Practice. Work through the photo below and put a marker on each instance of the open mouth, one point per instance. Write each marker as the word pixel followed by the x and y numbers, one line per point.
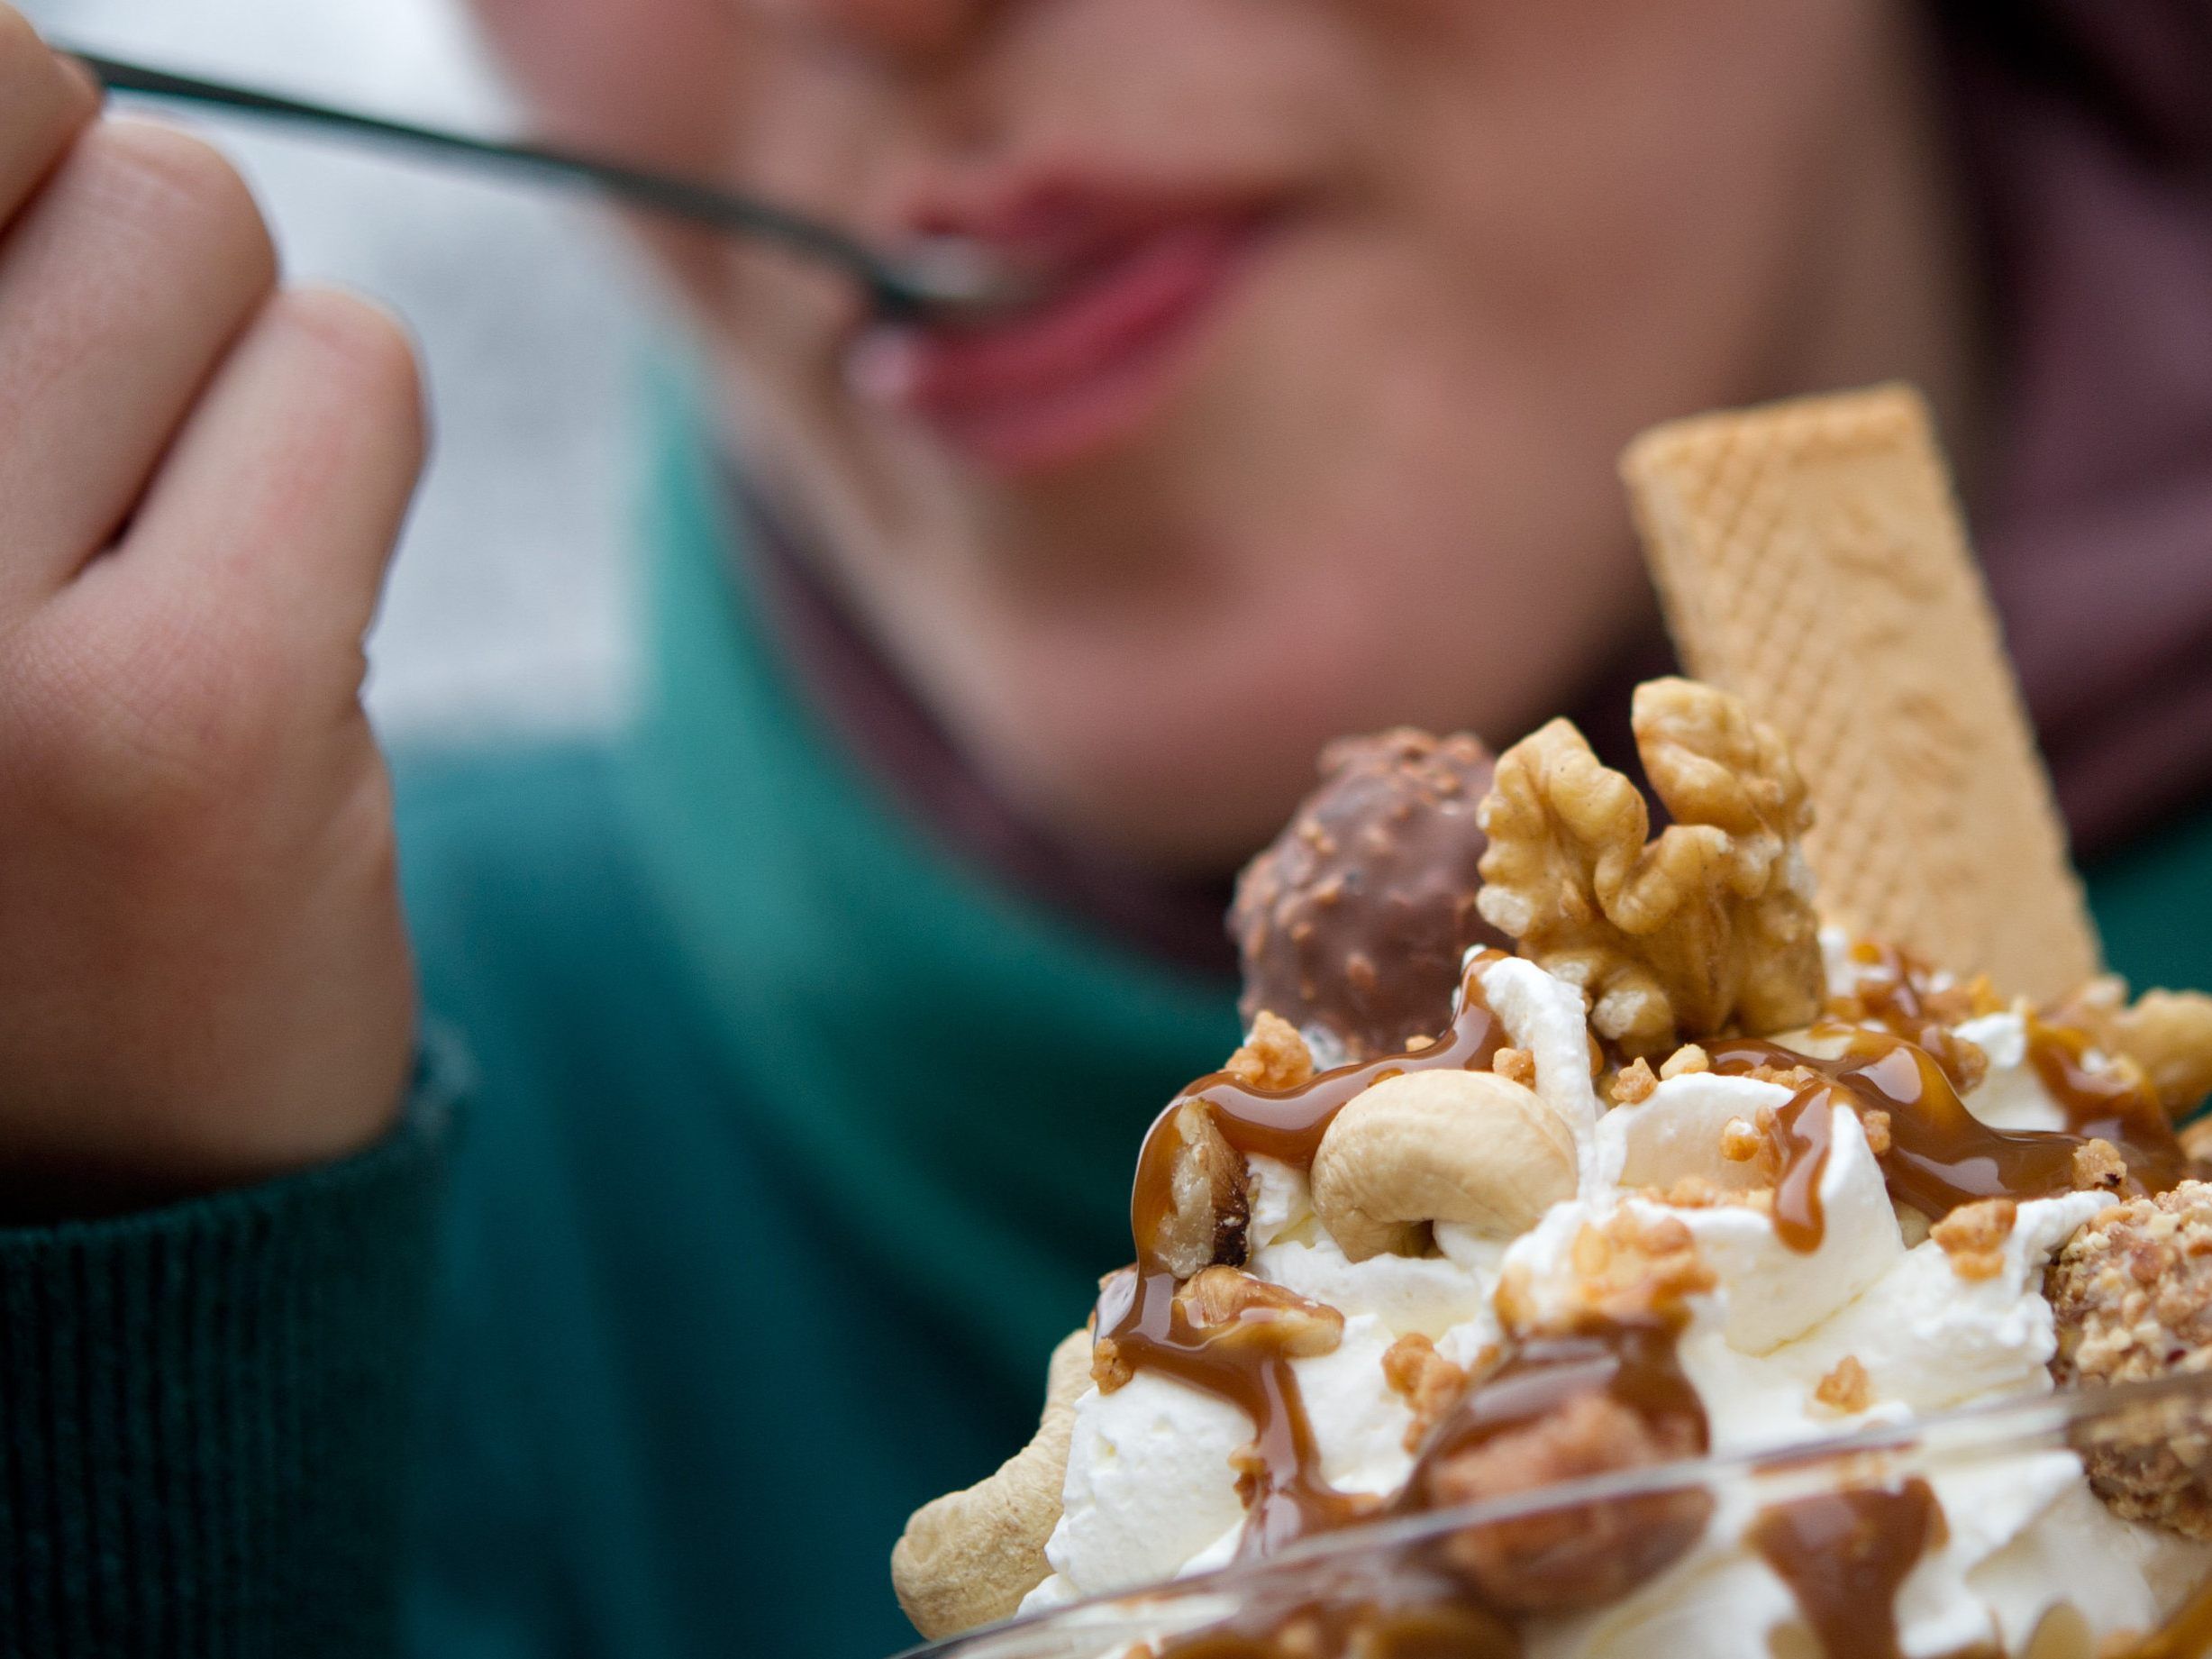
pixel 1122 299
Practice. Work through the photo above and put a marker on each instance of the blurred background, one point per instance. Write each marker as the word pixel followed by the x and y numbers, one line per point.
pixel 506 610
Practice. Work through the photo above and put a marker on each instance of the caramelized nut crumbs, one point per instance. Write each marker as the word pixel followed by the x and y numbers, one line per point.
pixel 1275 1057
pixel 1740 1142
pixel 1847 1388
pixel 1429 1383
pixel 1110 1369
pixel 2099 1167
pixel 1685 1058
pixel 1630 1267
pixel 1973 1237
pixel 1969 1064
pixel 1792 1078
pixel 1515 1065
pixel 1877 1127
pixel 1632 1084
pixel 1692 1193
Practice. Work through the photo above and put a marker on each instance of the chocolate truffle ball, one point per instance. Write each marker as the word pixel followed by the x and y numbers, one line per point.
pixel 1355 922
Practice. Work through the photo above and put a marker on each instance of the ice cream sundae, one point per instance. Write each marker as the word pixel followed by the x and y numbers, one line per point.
pixel 1557 1147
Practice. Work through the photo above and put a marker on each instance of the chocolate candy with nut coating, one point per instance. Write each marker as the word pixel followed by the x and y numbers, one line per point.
pixel 1355 921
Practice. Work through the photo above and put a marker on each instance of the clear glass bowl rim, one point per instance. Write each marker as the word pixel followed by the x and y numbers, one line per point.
pixel 2016 1423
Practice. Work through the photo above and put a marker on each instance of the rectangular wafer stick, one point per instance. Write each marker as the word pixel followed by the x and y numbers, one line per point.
pixel 1813 560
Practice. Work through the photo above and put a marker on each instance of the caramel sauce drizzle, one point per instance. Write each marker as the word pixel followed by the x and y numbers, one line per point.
pixel 1845 1556
pixel 1285 1495
pixel 1287 1124
pixel 2187 1635
pixel 1940 1154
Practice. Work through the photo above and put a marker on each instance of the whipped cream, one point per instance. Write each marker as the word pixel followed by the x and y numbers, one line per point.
pixel 1151 1493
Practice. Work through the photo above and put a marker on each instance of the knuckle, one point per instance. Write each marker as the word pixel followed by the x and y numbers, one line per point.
pixel 35 85
pixel 369 352
pixel 20 46
pixel 18 42
pixel 178 186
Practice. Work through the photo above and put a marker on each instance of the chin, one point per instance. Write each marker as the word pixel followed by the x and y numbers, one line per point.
pixel 1170 805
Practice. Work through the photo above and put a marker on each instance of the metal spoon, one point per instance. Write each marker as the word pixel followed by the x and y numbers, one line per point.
pixel 944 278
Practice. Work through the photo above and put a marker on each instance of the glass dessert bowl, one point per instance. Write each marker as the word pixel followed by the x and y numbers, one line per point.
pixel 1884 1542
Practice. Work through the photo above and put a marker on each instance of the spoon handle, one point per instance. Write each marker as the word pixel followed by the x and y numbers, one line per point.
pixel 892 289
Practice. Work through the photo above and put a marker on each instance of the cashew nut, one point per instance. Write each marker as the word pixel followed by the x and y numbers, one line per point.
pixel 1439 1145
pixel 968 1558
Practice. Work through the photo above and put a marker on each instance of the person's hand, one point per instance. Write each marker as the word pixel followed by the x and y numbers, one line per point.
pixel 204 975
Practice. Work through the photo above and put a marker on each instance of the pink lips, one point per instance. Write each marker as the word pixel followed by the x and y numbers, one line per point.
pixel 1066 378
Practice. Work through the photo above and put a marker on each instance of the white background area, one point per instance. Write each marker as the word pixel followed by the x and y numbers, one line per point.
pixel 509 606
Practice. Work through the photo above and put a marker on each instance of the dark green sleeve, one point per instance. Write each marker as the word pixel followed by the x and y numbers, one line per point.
pixel 205 1411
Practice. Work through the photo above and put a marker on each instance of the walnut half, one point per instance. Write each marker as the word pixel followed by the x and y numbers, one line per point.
pixel 1707 928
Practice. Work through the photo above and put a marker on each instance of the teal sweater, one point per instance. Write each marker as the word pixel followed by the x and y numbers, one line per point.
pixel 789 1146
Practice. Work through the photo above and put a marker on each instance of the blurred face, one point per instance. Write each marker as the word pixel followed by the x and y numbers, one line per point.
pixel 1348 307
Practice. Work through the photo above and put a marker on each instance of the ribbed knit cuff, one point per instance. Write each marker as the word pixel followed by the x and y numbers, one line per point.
pixel 205 1411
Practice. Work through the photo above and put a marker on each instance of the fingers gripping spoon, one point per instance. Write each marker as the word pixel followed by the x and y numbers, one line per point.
pixel 944 278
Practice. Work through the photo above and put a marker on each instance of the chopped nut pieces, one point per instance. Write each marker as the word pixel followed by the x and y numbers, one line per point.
pixel 1229 1308
pixel 1630 1267
pixel 1517 1064
pixel 1973 1237
pixel 1740 1142
pixel 2099 1167
pixel 1274 1057
pixel 1109 1367
pixel 1877 1142
pixel 1429 1383
pixel 1687 1059
pixel 2132 1295
pixel 1708 927
pixel 1354 921
pixel 1633 1083
pixel 1792 1078
pixel 1208 1206
pixel 1696 1192
pixel 1967 1063
pixel 1847 1388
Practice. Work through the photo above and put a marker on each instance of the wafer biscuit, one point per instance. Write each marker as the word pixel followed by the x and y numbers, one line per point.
pixel 1812 559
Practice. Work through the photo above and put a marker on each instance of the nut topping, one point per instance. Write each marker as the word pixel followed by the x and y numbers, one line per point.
pixel 2132 1295
pixel 1708 927
pixel 1443 1145
pixel 1355 922
pixel 1229 1308
pixel 1209 1207
pixel 1973 1237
